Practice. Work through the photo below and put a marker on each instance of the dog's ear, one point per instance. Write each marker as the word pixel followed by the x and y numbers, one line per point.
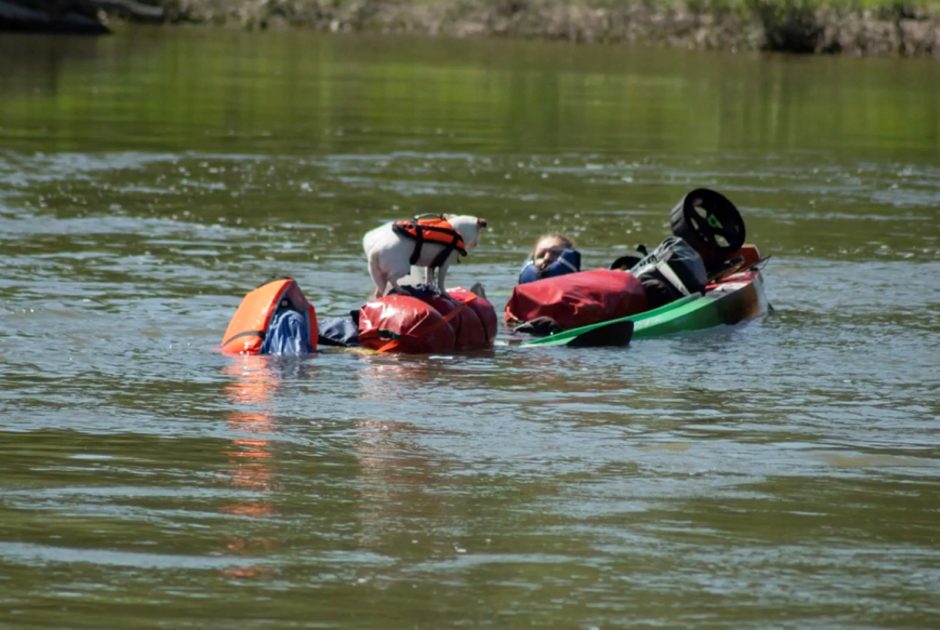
pixel 481 223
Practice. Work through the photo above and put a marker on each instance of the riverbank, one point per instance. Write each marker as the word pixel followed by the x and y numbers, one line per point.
pixel 869 27
pixel 851 27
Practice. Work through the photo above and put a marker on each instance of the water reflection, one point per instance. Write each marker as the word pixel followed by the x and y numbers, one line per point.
pixel 395 377
pixel 251 457
pixel 41 60
pixel 396 473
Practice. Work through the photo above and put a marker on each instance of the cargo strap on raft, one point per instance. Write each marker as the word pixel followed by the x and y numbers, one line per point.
pixel 248 333
pixel 432 228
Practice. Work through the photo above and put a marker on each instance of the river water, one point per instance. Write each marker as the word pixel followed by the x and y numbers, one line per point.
pixel 782 473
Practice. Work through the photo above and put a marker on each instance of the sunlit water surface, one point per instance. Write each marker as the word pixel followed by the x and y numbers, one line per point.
pixel 781 473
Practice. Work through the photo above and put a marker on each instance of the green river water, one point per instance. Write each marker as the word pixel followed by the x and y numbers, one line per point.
pixel 782 473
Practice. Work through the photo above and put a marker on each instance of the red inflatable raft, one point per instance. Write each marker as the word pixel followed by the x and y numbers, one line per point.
pixel 459 321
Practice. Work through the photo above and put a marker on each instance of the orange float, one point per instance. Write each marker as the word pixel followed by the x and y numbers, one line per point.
pixel 249 325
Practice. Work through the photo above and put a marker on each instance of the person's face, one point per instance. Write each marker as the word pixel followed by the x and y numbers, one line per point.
pixel 547 251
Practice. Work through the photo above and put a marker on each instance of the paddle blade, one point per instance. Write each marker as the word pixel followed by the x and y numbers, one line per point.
pixel 615 332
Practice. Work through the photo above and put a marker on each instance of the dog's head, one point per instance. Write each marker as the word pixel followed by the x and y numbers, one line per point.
pixel 468 227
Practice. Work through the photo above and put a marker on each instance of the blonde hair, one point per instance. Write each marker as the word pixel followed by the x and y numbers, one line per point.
pixel 566 241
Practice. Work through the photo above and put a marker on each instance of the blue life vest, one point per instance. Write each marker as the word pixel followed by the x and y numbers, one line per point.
pixel 568 261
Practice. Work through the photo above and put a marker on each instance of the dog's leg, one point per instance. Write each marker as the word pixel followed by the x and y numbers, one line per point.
pixel 378 277
pixel 429 276
pixel 441 272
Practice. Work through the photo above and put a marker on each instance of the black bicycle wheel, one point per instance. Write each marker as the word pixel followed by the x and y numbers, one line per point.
pixel 710 223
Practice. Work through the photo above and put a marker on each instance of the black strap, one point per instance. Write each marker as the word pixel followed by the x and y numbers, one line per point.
pixel 442 256
pixel 417 237
pixel 419 241
pixel 247 333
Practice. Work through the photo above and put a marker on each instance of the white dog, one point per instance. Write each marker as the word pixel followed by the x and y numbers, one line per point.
pixel 433 243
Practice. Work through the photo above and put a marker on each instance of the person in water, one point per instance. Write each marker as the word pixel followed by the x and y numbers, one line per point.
pixel 553 255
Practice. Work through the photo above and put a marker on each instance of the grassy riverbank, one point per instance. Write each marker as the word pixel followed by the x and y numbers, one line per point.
pixel 855 27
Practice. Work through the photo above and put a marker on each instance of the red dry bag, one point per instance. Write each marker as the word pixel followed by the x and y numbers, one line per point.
pixel 401 323
pixel 484 310
pixel 577 299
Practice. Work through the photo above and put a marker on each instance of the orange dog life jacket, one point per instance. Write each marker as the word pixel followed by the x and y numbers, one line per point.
pixel 431 229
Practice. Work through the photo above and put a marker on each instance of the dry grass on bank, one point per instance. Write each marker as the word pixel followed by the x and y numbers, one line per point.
pixel 881 27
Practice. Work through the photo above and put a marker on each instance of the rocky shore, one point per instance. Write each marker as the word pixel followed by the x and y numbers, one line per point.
pixel 797 26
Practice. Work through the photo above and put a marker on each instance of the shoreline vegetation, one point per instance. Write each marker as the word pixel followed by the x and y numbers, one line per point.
pixel 850 27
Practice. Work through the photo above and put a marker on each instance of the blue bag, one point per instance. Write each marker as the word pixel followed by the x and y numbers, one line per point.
pixel 340 331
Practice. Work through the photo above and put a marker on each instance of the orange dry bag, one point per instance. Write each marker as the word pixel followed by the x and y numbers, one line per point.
pixel 249 325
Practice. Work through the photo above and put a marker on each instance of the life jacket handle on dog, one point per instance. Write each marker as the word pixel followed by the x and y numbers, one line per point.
pixel 431 228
